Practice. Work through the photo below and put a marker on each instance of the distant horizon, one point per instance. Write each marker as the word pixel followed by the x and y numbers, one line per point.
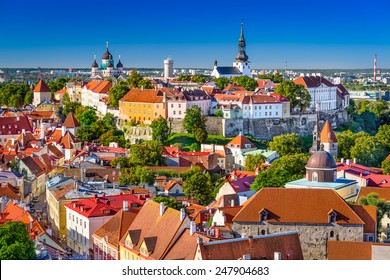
pixel 308 35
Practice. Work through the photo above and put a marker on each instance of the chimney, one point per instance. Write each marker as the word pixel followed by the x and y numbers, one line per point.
pixel 23 132
pixel 354 160
pixel 217 233
pixel 192 228
pixel 12 141
pixel 277 256
pixel 125 205
pixel 162 208
pixel 232 203
pixel 182 214
pixel 18 118
pixel 234 175
pixel 342 160
pixel 348 162
pixel 63 129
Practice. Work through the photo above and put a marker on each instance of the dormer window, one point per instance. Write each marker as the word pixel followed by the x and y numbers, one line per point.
pixel 332 217
pixel 263 215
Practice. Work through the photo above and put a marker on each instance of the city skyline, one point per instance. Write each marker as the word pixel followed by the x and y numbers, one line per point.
pixel 307 36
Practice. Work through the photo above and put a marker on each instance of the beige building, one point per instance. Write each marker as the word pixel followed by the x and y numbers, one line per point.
pixel 318 215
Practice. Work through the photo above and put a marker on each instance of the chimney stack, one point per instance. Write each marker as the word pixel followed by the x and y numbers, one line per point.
pixel 182 214
pixel 342 160
pixel 63 129
pixel 354 160
pixel 192 228
pixel 162 208
pixel 277 256
pixel 348 162
pixel 125 205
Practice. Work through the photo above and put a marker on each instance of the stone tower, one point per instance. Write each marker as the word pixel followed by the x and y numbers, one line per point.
pixel 168 68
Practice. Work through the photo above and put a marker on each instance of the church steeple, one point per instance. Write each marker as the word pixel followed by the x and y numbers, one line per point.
pixel 316 141
pixel 241 56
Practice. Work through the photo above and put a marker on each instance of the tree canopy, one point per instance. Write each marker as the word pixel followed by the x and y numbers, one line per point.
pixel 286 144
pixel 15 95
pixel 135 80
pixel 147 153
pixel 386 166
pixel 247 82
pixel 297 94
pixel 168 201
pixel 199 187
pixel 160 129
pixel 195 120
pixel 383 207
pixel 222 82
pixel 136 175
pixel 368 151
pixel 15 242
pixel 276 78
pixel 285 169
pixel 117 92
pixel 254 161
pixel 346 140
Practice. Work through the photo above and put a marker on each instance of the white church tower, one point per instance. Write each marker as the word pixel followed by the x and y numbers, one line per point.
pixel 242 62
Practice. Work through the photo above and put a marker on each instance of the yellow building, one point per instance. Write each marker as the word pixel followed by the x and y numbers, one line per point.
pixel 56 200
pixel 143 105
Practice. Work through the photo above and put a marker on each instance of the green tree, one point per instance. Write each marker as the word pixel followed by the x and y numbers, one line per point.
pixel 254 161
pixel 276 78
pixel 28 98
pixel 297 94
pixel 86 115
pixel 199 187
pixel 122 162
pixel 16 100
pixel 146 84
pixel 70 107
pixel 245 81
pixel 170 202
pixel 57 84
pixel 147 153
pixel 382 205
pixel 116 93
pixel 346 140
pixel 200 134
pixel 160 129
pixel 109 121
pixel 136 175
pixel 113 135
pixel 218 113
pixel 222 82
pixel 199 78
pixel 65 98
pixel 184 77
pixel 15 242
pixel 383 135
pixel 285 169
pixel 286 144
pixel 386 166
pixel 193 119
pixel 368 151
pixel 133 80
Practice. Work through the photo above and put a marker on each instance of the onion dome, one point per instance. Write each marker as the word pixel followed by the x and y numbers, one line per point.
pixel 94 64
pixel 109 64
pixel 107 54
pixel 119 64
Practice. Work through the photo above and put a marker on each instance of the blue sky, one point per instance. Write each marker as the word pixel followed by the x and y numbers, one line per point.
pixel 308 34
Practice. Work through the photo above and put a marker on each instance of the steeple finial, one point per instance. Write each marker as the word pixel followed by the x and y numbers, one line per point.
pixel 242 29
pixel 107 45
pixel 119 57
pixel 94 57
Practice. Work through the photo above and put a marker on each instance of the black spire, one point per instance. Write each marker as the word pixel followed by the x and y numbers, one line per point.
pixel 94 64
pixel 241 56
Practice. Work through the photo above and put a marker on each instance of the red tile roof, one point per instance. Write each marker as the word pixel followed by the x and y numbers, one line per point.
pixel 241 141
pixel 349 250
pixel 241 180
pixel 158 232
pixel 116 227
pixel 232 87
pixel 312 81
pixel 99 86
pixel 368 216
pixel 171 184
pixel 327 135
pixel 9 191
pixel 308 206
pixel 14 125
pixel 34 165
pixel 143 96
pixel 71 122
pixel 42 87
pixel 257 247
pixel 383 193
pixel 104 205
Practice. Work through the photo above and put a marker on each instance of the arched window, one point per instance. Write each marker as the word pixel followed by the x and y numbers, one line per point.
pixel 314 177
pixel 263 232
pixel 331 234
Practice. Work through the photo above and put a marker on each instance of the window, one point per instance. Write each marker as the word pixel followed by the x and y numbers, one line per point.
pixel 174 112
pixel 77 220
pixel 70 216
pixel 276 113
pixel 171 105
pixel 331 234
pixel 270 106
pixel 314 177
pixel 179 112
pixel 85 224
pixel 263 232
pixel 266 113
pixel 266 107
pixel 388 225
